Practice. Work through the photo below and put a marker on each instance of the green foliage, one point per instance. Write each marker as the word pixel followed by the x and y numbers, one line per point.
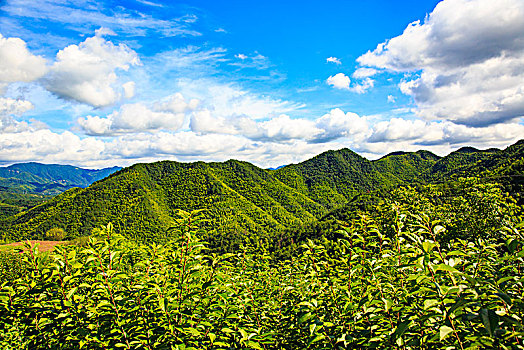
pixel 249 205
pixel 405 283
pixel 55 234
pixel 48 178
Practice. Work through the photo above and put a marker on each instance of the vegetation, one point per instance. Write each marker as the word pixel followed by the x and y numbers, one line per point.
pixel 414 269
pixel 48 178
pixel 247 203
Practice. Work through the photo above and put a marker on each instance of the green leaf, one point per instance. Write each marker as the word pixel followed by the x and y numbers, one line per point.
pixel 401 329
pixel 71 292
pixel 254 345
pixel 162 304
pixel 387 304
pixel 317 338
pixel 490 320
pixel 71 255
pixel 428 303
pixel 212 337
pixel 512 244
pixel 444 267
pixel 504 297
pixel 444 331
pixel 428 246
pixel 305 317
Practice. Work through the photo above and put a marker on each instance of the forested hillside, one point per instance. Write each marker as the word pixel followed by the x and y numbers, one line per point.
pixel 23 186
pixel 48 178
pixel 243 201
pixel 416 269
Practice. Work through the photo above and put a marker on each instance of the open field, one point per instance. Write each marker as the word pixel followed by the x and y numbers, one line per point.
pixel 43 246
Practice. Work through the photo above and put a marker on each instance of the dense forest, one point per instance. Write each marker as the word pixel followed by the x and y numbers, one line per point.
pixel 242 200
pixel 410 251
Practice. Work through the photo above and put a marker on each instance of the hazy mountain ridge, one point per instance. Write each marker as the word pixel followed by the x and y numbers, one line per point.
pixel 24 185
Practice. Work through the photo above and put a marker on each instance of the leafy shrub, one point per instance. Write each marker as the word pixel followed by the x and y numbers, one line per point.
pixel 406 285
pixel 55 234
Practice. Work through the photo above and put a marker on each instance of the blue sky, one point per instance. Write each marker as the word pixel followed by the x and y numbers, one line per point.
pixel 96 83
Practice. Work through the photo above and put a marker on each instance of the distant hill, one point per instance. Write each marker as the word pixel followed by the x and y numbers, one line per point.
pixel 48 178
pixel 25 185
pixel 243 200
pixel 407 167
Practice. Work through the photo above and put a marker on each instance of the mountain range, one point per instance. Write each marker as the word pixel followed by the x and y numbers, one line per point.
pixel 25 185
pixel 243 200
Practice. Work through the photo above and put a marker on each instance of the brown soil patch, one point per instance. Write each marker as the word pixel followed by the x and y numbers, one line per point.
pixel 43 246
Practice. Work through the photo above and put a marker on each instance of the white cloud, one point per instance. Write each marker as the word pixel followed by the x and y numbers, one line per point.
pixel 84 16
pixel 167 114
pixel 336 124
pixel 256 61
pixel 470 55
pixel 229 100
pixel 87 72
pixel 364 73
pixel 339 81
pixel 47 146
pixel 363 86
pixel 342 81
pixel 333 60
pixel 391 99
pixel 190 58
pixel 129 89
pixel 176 103
pixel 10 106
pixel 17 63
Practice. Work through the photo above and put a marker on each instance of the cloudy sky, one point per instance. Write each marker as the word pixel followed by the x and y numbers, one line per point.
pixel 102 83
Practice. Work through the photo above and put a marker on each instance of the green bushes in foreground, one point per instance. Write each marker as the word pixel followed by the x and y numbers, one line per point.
pixel 408 289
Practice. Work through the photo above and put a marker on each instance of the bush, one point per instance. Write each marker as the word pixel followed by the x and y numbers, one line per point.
pixel 55 234
pixel 411 289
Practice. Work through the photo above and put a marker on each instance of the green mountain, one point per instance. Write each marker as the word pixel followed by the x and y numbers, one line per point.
pixel 407 167
pixel 333 177
pixel 243 201
pixel 142 200
pixel 48 178
pixel 456 163
pixel 23 186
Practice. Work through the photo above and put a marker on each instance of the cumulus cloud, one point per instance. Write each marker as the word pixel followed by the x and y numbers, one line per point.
pixel 363 86
pixel 10 106
pixel 48 146
pixel 336 124
pixel 17 63
pixel 331 126
pixel 333 60
pixel 280 128
pixel 168 114
pixel 469 56
pixel 339 81
pixel 398 131
pixel 87 72
pixel 342 81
